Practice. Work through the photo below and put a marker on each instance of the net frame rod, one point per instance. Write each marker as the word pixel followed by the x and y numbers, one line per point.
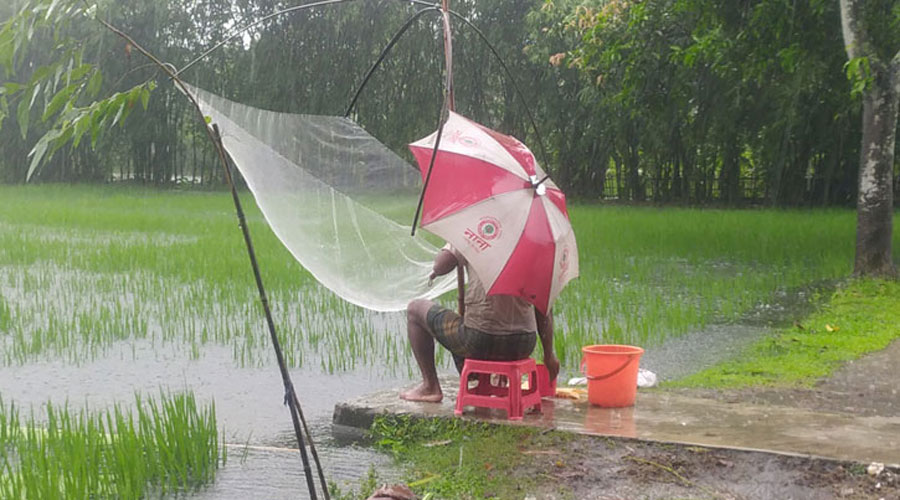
pixel 384 53
pixel 242 29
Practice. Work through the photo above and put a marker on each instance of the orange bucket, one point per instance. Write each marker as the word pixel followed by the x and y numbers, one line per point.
pixel 611 372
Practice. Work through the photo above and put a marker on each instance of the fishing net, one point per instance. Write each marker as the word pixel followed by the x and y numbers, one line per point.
pixel 339 200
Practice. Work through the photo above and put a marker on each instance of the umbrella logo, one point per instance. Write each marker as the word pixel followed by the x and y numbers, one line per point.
pixel 457 137
pixel 469 141
pixel 489 228
pixel 564 261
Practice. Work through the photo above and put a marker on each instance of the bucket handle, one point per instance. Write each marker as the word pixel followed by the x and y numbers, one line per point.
pixel 608 375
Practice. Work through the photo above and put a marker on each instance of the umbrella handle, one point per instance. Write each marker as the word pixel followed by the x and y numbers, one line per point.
pixel 461 290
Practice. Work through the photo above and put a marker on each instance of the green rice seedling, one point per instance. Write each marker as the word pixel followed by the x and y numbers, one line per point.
pixel 5 316
pixel 83 269
pixel 166 446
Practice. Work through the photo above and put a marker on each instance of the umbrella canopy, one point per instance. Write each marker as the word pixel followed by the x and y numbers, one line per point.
pixel 485 197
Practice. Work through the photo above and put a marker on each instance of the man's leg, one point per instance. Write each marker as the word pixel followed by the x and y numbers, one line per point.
pixel 422 343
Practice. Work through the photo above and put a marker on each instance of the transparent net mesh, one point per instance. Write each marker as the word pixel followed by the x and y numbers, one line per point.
pixel 339 200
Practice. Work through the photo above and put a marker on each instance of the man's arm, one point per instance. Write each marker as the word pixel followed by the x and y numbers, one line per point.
pixel 444 262
pixel 545 331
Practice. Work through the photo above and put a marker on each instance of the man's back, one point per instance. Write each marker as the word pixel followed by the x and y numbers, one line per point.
pixel 497 314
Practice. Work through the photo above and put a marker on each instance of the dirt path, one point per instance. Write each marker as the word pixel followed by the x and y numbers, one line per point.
pixel 598 468
pixel 614 469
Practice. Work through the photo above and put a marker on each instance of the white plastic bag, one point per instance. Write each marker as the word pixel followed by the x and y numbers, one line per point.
pixel 646 378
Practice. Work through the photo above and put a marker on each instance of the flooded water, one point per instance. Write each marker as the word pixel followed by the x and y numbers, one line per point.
pixel 262 458
pixel 238 372
pixel 700 349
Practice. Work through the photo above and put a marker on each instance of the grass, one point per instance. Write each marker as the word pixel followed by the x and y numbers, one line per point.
pixel 84 269
pixel 164 446
pixel 461 459
pixel 862 317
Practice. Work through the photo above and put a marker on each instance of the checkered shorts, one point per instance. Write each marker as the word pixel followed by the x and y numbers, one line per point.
pixel 447 327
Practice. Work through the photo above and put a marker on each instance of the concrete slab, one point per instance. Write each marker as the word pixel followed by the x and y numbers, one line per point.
pixel 671 418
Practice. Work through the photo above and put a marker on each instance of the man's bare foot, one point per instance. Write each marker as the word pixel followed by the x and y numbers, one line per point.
pixel 423 393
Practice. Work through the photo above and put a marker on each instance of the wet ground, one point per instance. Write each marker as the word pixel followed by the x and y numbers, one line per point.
pixel 591 468
pixel 760 444
pixel 675 418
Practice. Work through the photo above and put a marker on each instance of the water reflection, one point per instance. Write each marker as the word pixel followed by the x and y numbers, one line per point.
pixel 610 421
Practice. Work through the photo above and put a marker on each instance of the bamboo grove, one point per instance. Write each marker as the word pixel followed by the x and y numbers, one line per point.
pixel 671 101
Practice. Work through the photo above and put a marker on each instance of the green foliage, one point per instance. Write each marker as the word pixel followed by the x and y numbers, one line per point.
pixel 366 487
pixel 395 434
pixel 64 88
pixel 689 101
pixel 93 119
pixel 703 99
pixel 860 75
pixel 862 317
pixel 454 458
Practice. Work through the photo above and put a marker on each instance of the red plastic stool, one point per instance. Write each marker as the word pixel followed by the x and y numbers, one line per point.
pixel 511 397
pixel 546 386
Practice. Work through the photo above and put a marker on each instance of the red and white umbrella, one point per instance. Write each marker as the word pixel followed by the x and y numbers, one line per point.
pixel 485 197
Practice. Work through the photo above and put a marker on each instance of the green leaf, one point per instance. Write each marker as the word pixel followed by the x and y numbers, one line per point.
pixel 58 101
pixel 64 137
pixel 23 115
pixel 145 98
pixel 40 149
pixel 34 94
pixel 82 124
pixel 40 74
pixel 6 51
pixel 95 127
pixel 69 70
pixel 79 72
pixel 12 87
pixel 50 10
pixel 94 83
pixel 120 104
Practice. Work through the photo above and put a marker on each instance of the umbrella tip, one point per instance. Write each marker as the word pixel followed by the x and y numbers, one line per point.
pixel 538 186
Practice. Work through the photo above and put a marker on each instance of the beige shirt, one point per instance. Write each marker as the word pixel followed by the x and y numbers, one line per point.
pixel 496 314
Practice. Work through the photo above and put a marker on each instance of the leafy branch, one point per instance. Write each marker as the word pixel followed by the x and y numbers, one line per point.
pixel 63 91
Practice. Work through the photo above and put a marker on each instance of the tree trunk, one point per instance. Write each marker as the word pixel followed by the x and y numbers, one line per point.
pixel 875 201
